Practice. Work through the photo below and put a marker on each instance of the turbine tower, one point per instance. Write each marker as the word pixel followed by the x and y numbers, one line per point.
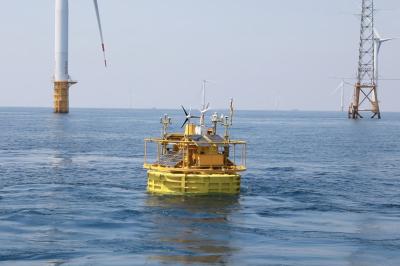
pixel 365 96
pixel 341 87
pixel 62 80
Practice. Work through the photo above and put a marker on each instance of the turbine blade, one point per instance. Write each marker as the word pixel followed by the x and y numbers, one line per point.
pixel 184 110
pixel 388 39
pixel 348 83
pixel 96 7
pixel 376 33
pixel 338 88
pixel 184 123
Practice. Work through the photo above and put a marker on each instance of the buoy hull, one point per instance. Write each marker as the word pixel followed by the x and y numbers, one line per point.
pixel 192 184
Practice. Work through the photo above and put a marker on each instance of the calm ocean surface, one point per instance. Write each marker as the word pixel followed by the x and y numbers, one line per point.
pixel 320 190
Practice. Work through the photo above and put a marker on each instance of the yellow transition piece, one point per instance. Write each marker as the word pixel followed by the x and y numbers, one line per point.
pixel 61 97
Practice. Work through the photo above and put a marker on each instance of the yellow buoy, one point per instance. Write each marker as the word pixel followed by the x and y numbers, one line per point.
pixel 195 162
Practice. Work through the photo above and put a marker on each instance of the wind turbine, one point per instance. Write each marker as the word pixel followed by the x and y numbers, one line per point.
pixel 62 80
pixel 341 88
pixel 188 116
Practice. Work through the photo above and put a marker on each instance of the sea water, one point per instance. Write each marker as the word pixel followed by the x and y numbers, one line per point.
pixel 320 190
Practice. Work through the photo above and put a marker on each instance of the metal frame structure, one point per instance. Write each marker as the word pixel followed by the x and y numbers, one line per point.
pixel 365 88
pixel 238 155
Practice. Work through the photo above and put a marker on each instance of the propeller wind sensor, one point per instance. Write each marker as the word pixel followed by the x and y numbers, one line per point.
pixel 188 116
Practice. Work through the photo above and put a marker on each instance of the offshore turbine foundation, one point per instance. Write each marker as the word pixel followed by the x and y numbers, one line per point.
pixel 61 96
pixel 365 98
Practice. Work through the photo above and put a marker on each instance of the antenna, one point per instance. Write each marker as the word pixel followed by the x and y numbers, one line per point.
pixel 231 111
pixel 204 94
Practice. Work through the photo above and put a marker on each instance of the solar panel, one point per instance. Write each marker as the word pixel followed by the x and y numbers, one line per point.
pixel 200 141
pixel 214 138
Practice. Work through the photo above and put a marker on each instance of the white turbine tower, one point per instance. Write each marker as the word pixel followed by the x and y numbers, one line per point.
pixel 62 80
pixel 378 40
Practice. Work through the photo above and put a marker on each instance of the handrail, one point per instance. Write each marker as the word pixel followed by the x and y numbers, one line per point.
pixel 168 162
pixel 157 140
pixel 236 168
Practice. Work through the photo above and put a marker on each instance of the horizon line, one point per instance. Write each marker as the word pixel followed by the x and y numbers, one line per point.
pixel 176 109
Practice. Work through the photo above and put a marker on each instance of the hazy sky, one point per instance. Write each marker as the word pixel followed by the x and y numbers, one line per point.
pixel 263 53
